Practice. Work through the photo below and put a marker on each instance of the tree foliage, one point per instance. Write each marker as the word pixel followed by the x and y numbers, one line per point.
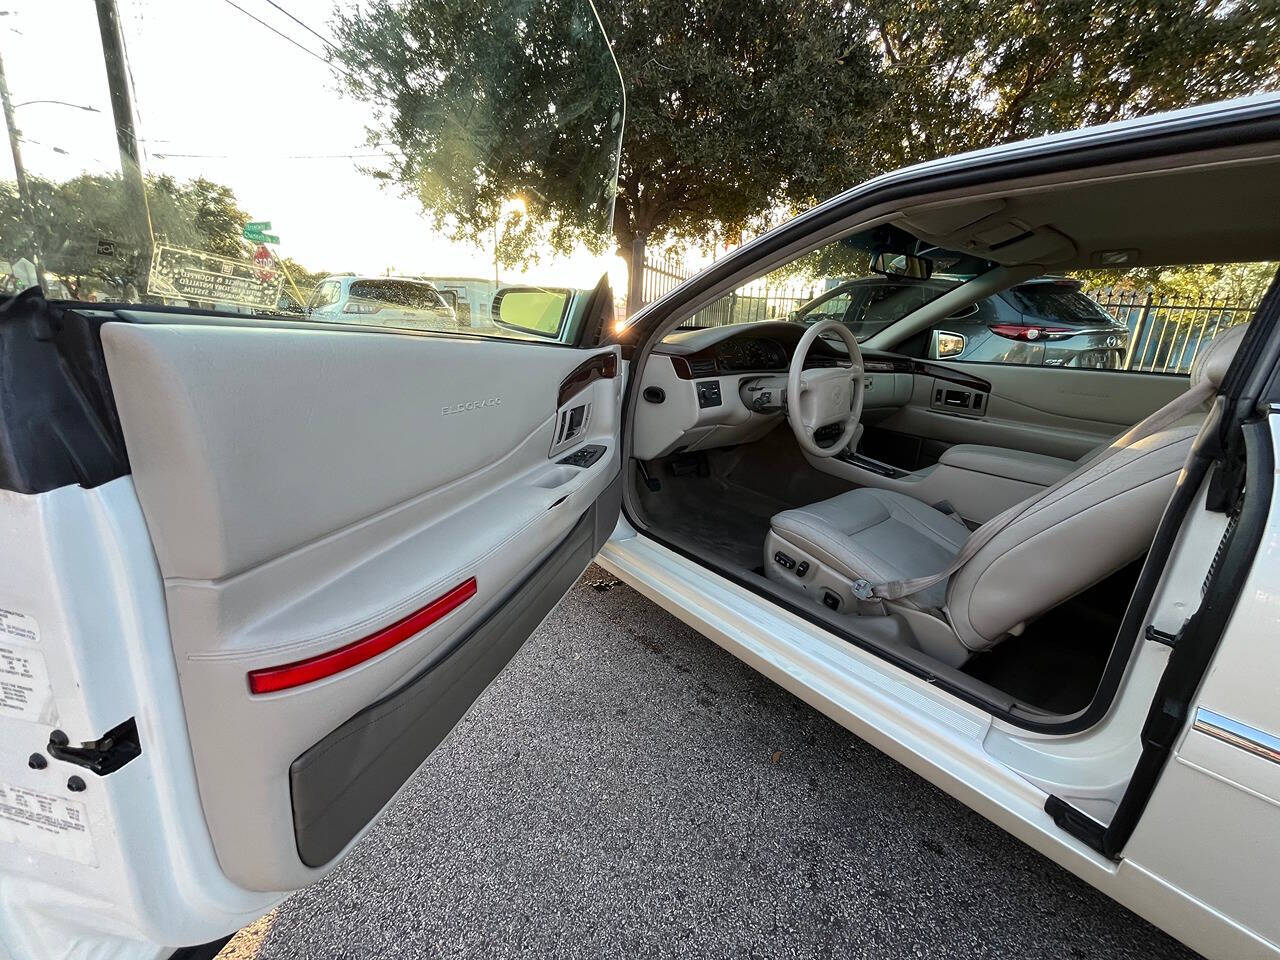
pixel 90 235
pixel 1237 283
pixel 485 100
pixel 731 108
pixel 737 108
pixel 972 73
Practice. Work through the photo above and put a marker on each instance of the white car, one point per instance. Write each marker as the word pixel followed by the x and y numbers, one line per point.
pixel 473 298
pixel 382 301
pixel 254 572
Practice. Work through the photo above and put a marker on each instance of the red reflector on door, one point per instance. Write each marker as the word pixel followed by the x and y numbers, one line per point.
pixel 271 679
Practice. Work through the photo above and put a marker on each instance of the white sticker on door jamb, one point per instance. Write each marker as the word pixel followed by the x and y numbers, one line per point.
pixel 47 824
pixel 25 693
pixel 18 627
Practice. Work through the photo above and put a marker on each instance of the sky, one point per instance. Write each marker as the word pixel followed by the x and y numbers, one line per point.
pixel 221 96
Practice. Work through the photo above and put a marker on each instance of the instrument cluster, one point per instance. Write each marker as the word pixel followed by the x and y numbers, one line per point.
pixel 740 354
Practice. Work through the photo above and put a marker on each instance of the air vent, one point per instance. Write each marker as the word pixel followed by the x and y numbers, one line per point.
pixel 705 367
pixel 817 361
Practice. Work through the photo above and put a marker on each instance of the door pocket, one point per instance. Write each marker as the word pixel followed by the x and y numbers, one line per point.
pixel 339 784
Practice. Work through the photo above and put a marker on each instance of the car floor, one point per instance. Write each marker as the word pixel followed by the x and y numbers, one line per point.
pixel 720 502
pixel 1058 660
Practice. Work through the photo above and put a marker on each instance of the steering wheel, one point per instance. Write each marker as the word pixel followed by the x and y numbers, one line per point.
pixel 824 395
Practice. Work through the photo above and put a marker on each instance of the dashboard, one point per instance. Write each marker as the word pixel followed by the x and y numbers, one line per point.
pixel 744 348
pixel 719 386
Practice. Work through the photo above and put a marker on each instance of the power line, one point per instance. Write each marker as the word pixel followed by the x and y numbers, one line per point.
pixel 284 36
pixel 305 26
pixel 279 33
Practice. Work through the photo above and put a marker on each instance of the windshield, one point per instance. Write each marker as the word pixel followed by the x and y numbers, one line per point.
pixel 869 305
pixel 246 156
pixel 858 280
pixel 855 279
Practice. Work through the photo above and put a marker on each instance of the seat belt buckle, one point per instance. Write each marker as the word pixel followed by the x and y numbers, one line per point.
pixel 863 590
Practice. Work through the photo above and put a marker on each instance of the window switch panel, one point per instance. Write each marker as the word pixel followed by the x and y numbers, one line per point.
pixel 584 457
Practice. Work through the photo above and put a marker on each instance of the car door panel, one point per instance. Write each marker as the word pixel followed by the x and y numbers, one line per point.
pixel 339 784
pixel 306 490
pixel 1053 411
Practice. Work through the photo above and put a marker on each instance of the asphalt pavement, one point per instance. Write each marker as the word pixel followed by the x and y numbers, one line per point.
pixel 628 789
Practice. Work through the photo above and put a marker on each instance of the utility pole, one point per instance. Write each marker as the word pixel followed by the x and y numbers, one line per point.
pixel 20 176
pixel 122 110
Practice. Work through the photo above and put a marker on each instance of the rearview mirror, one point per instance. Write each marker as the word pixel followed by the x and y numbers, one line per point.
pixel 902 265
pixel 536 310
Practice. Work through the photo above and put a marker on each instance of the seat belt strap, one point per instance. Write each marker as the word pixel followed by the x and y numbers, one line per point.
pixel 1189 402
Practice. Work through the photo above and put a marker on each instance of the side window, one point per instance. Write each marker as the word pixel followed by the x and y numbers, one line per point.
pixel 248 230
pixel 1102 320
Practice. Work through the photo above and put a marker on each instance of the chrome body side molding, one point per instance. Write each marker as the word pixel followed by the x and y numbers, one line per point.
pixel 1251 739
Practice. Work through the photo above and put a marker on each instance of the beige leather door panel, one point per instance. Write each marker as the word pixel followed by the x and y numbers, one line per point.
pixel 1055 411
pixel 306 490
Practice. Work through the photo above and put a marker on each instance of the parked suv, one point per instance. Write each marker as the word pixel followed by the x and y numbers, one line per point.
pixel 382 301
pixel 1046 322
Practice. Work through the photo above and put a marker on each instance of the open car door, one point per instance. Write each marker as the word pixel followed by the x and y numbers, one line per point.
pixel 258 558
pixel 328 543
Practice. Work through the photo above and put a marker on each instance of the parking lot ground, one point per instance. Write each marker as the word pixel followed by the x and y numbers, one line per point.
pixel 627 788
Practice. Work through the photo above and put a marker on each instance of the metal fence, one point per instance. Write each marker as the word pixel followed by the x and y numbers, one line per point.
pixel 757 300
pixel 1166 334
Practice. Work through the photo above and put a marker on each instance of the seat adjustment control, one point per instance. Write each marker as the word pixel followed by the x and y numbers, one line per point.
pixel 830 600
pixel 782 560
pixel 802 568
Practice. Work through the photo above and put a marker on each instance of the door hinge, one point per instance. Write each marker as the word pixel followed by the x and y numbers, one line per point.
pixel 105 755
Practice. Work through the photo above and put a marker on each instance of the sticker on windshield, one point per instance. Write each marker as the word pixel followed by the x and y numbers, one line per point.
pixel 45 824
pixel 25 693
pixel 18 627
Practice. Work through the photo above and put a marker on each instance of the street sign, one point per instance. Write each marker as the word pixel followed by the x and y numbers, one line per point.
pixel 257 236
pixel 258 225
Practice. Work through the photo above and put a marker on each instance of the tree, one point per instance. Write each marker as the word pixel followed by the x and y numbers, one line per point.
pixel 88 234
pixel 972 73
pixel 732 109
pixel 737 108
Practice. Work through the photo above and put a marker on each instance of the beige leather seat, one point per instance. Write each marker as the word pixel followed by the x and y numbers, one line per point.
pixel 1086 526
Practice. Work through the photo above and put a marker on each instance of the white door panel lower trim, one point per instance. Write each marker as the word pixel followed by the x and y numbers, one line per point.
pixel 932 734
